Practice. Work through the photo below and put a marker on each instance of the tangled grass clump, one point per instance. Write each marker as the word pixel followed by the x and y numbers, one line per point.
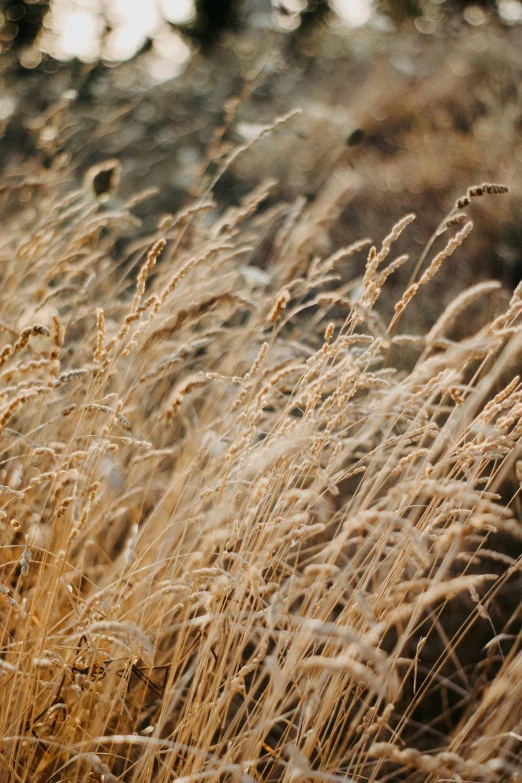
pixel 236 543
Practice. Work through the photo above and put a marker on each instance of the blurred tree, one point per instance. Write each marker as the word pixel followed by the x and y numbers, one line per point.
pixel 310 19
pixel 22 22
pixel 212 18
pixel 399 9
pixel 402 9
pixel 459 4
pixel 314 13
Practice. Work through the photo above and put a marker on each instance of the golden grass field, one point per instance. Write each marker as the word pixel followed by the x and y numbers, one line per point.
pixel 241 538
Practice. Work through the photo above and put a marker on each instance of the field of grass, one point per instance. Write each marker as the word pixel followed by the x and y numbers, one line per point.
pixel 237 544
pixel 260 457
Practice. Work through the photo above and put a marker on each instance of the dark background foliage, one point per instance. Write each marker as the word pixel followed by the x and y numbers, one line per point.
pixel 402 113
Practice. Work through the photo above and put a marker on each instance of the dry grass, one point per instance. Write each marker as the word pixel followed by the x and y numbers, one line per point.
pixel 236 543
